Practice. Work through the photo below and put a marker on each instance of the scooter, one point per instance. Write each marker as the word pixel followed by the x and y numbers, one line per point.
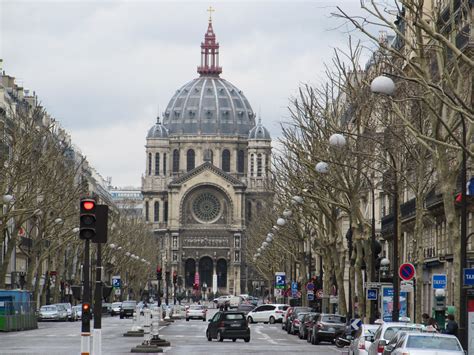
pixel 344 339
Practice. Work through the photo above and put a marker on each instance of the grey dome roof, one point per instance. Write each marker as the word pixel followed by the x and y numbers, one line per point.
pixel 259 132
pixel 157 131
pixel 209 105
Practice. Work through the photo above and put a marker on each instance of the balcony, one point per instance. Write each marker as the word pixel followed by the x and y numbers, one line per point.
pixel 387 226
pixel 408 209
pixel 433 199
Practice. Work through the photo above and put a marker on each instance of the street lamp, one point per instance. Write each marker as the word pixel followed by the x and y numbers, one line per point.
pixel 385 85
pixel 75 230
pixel 281 222
pixel 58 221
pixel 287 213
pixel 7 198
pixel 337 140
pixel 112 246
pixel 322 167
pixel 297 200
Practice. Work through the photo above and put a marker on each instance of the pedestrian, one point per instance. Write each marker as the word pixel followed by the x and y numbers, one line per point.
pixel 226 307
pixel 433 325
pixel 425 318
pixel 451 326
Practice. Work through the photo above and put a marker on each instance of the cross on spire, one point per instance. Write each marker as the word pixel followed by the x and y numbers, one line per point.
pixel 210 51
pixel 210 10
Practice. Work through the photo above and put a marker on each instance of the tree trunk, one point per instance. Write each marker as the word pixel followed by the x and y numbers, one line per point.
pixel 6 259
pixel 339 267
pixel 359 280
pixel 418 238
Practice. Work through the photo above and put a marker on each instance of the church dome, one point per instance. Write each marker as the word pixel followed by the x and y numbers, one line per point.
pixel 157 131
pixel 259 132
pixel 209 105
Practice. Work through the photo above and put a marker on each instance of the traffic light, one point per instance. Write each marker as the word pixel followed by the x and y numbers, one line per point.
pixel 196 286
pixel 175 277
pixel 86 314
pixel 159 273
pixel 87 219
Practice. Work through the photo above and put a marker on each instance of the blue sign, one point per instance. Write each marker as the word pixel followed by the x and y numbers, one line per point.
pixel 468 277
pixel 280 280
pixel 372 294
pixel 387 303
pixel 116 282
pixel 294 285
pixel 310 296
pixel 356 323
pixel 439 281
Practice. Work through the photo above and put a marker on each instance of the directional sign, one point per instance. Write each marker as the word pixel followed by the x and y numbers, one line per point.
pixel 280 280
pixel 310 296
pixel 406 271
pixel 356 323
pixel 372 294
pixel 439 281
pixel 319 294
pixel 468 277
pixel 116 282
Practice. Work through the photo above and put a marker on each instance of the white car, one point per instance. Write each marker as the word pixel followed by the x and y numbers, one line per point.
pixel 363 339
pixel 267 313
pixel 196 311
pixel 428 344
pixel 386 332
pixel 221 300
pixel 235 301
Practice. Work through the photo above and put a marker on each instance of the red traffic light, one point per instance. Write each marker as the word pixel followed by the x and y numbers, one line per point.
pixel 85 307
pixel 88 205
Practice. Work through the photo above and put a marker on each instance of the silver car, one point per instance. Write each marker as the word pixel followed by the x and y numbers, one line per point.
pixel 196 312
pixel 428 344
pixel 386 332
pixel 363 339
pixel 52 312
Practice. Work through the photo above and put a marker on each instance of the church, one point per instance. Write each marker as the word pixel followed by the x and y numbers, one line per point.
pixel 208 165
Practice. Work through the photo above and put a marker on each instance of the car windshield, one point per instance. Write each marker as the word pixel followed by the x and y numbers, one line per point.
pixel 116 304
pixel 196 307
pixel 129 303
pixel 48 308
pixel 391 331
pixel 438 343
pixel 234 316
pixel 333 319
pixel 283 308
pixel 302 309
pixel 369 333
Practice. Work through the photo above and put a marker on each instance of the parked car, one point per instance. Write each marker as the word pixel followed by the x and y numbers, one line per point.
pixel 68 307
pixel 63 311
pixel 292 313
pixel 414 343
pixel 386 332
pixel 253 300
pixel 228 325
pixel 295 324
pixel 127 309
pixel 267 313
pixel 327 327
pixel 77 311
pixel 196 311
pixel 306 324
pixel 221 300
pixel 245 308
pixel 52 312
pixel 363 338
pixel 115 308
pixel 235 301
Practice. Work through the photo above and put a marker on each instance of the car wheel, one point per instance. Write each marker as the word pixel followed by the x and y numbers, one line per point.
pixel 204 319
pixel 234 340
pixel 249 320
pixel 121 317
pixel 219 336
pixel 272 320
pixel 208 335
pixel 316 339
pixel 187 319
pixel 308 337
pixel 247 339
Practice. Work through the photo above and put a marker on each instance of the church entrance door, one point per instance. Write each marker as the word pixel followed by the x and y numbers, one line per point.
pixel 189 271
pixel 205 271
pixel 221 269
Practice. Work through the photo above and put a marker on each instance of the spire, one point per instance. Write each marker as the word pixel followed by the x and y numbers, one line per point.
pixel 210 51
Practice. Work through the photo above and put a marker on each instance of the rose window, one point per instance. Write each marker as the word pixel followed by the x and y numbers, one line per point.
pixel 206 207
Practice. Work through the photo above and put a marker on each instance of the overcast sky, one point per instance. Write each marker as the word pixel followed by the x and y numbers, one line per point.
pixel 104 68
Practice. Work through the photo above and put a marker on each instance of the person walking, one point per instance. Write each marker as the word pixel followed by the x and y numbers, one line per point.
pixel 451 326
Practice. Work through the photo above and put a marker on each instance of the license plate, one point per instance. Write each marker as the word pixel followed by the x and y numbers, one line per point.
pixel 235 325
pixel 332 329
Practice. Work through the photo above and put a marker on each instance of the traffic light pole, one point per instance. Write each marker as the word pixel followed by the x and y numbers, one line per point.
pixel 97 339
pixel 86 294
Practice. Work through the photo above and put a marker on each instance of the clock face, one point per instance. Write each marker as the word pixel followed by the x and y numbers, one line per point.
pixel 206 207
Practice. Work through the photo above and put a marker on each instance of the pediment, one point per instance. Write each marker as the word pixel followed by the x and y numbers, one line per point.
pixel 202 169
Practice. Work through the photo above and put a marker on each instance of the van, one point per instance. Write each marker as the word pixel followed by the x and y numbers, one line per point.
pixel 235 301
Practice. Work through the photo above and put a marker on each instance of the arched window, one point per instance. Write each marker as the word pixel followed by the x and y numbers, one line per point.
pixel 226 160
pixel 240 161
pixel 165 212
pixel 259 165
pixel 164 164
pixel 149 163
pixel 156 212
pixel 175 161
pixel 147 211
pixel 252 165
pixel 157 164
pixel 190 160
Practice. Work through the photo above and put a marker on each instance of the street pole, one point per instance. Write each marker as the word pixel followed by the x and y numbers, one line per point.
pixel 396 279
pixel 463 257
pixel 349 245
pixel 373 303
pixel 86 299
pixel 97 338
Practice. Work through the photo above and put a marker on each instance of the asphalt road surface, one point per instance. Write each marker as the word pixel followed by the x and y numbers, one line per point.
pixel 54 338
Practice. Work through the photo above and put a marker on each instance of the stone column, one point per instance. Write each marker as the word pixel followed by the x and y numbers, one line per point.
pixel 214 277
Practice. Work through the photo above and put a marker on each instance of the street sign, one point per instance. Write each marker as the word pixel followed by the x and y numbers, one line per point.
pixel 333 299
pixel 468 277
pixel 298 294
pixel 280 280
pixel 356 323
pixel 406 286
pixel 117 292
pixel 319 294
pixel 439 281
pixel 372 294
pixel 278 292
pixel 406 271
pixel 373 284
pixel 310 296
pixel 116 282
pixel 294 285
pixel 310 286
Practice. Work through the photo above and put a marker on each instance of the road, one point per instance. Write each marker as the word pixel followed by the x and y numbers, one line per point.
pixel 63 338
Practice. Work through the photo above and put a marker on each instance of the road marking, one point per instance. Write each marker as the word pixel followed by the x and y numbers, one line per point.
pixel 266 336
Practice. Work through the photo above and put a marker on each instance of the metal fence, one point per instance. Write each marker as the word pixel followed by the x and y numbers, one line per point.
pixel 16 316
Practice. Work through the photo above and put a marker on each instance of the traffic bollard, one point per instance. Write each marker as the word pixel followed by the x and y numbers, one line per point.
pixel 155 331
pixel 147 346
pixel 136 330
